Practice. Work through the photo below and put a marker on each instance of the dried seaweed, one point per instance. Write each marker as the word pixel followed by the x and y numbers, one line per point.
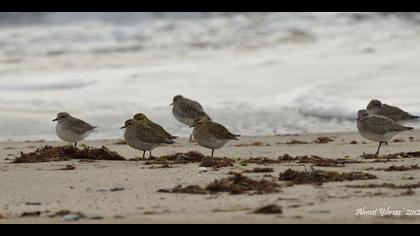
pixel 323 140
pixel 269 209
pixel 239 184
pixel 259 170
pixel 319 177
pixel 191 189
pixel 66 153
pixel 217 162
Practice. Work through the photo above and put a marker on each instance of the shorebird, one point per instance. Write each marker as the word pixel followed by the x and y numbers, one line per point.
pixel 211 135
pixel 140 117
pixel 394 113
pixel 378 128
pixel 186 110
pixel 71 129
pixel 142 137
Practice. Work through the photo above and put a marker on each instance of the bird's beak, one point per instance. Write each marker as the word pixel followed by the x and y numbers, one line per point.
pixel 171 104
pixel 124 127
pixel 56 119
pixel 192 126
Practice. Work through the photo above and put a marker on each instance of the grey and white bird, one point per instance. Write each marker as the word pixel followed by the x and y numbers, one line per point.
pixel 378 128
pixel 210 134
pixel 186 111
pixel 71 129
pixel 142 137
pixel 394 113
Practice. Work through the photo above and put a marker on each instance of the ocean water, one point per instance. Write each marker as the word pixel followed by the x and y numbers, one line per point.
pixel 256 73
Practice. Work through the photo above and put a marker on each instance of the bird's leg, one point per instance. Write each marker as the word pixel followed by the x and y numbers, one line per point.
pixel 379 148
pixel 150 154
pixel 212 152
pixel 75 144
pixel 191 138
pixel 144 153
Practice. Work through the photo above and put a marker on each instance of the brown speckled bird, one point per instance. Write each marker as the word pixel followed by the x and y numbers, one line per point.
pixel 210 134
pixel 143 118
pixel 142 137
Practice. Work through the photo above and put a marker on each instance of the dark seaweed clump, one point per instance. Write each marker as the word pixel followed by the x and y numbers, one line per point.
pixel 191 189
pixel 66 153
pixel 259 170
pixel 269 209
pixel 319 177
pixel 217 162
pixel 237 184
pixel 188 158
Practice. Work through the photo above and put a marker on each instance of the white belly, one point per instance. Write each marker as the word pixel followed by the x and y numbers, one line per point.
pixel 70 136
pixel 378 138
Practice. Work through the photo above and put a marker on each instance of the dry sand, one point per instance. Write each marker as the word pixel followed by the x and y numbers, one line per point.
pixel 86 189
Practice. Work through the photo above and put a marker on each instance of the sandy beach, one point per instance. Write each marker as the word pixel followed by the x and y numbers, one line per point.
pixel 43 190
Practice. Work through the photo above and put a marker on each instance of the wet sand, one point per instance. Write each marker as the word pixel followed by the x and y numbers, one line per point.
pixel 41 187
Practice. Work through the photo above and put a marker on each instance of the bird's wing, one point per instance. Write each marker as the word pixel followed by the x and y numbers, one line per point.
pixel 391 111
pixel 161 130
pixel 81 127
pixel 383 125
pixel 219 131
pixel 149 135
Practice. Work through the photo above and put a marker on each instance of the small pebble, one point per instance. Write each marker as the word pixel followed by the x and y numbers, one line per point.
pixel 203 170
pixel 71 217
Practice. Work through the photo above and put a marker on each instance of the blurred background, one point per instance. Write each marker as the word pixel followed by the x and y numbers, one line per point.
pixel 256 73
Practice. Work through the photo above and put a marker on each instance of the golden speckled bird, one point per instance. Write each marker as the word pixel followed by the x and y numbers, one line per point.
pixel 210 134
pixel 143 137
pixel 142 118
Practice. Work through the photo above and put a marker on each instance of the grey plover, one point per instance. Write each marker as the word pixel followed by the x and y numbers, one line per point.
pixel 71 129
pixel 394 113
pixel 378 128
pixel 210 134
pixel 159 129
pixel 186 110
pixel 142 137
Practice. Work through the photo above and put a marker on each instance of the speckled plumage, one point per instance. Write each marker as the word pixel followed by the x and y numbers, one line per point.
pixel 142 137
pixel 378 128
pixel 394 113
pixel 211 135
pixel 71 129
pixel 159 129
